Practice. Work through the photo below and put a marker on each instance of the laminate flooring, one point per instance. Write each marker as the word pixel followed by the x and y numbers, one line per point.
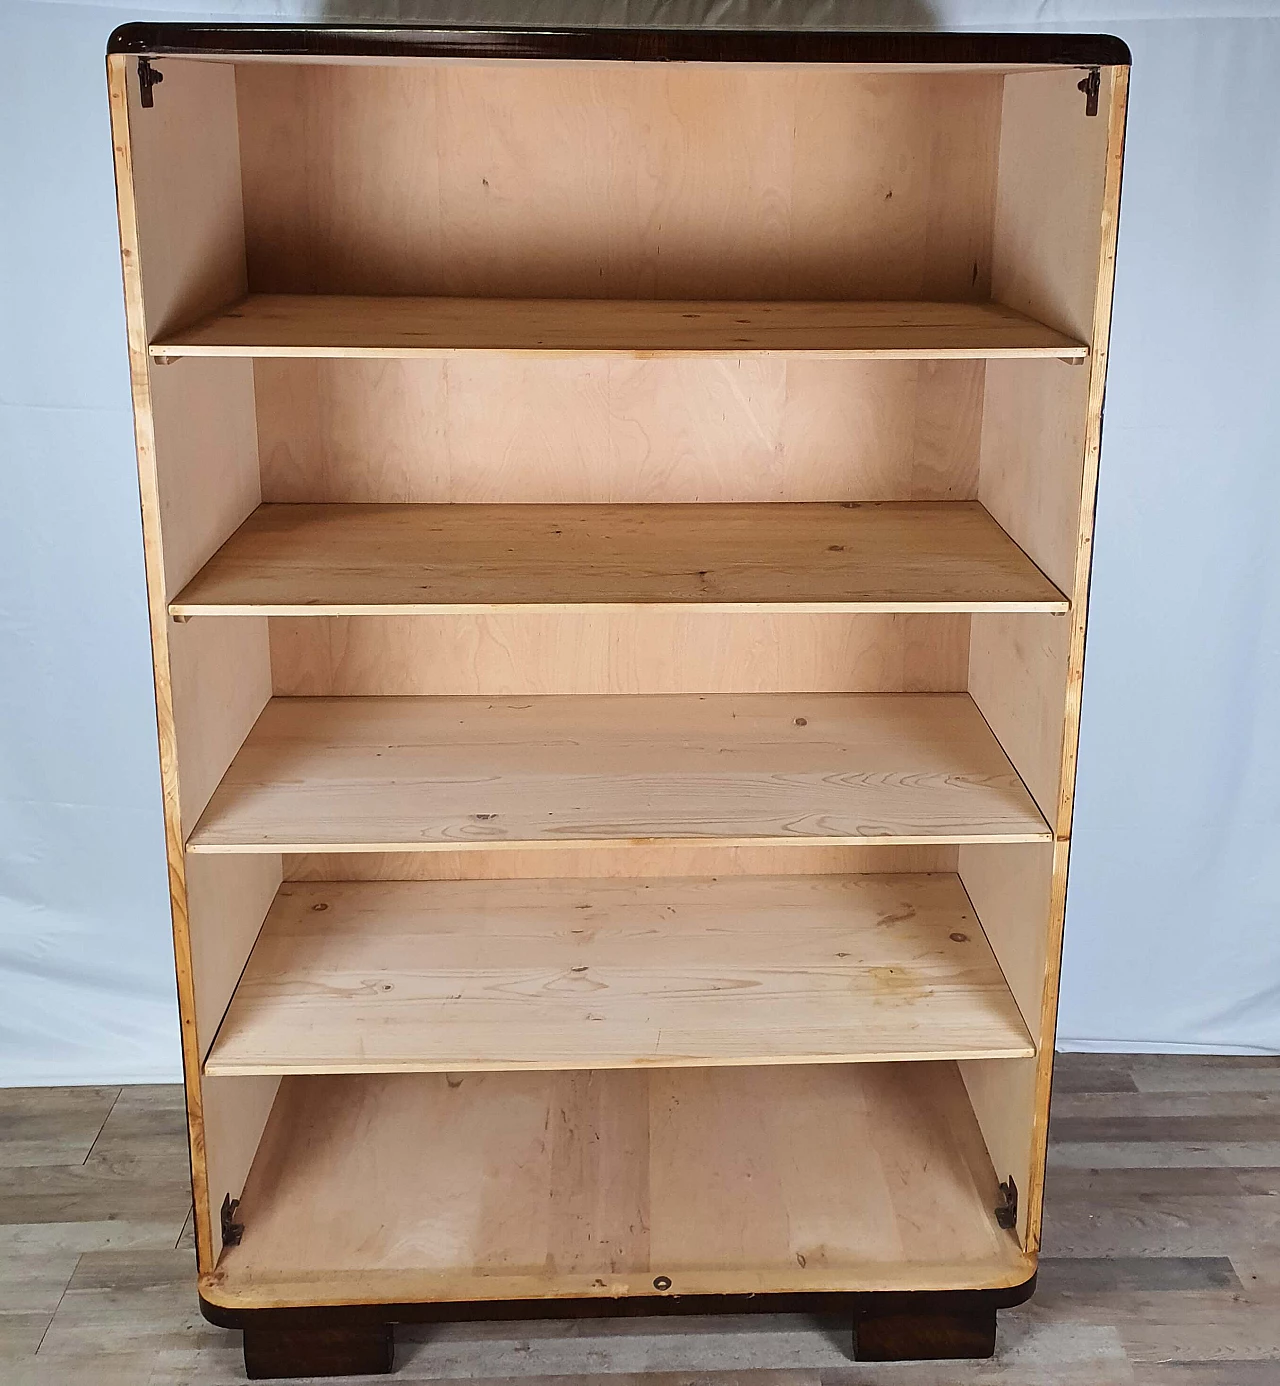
pixel 1161 1260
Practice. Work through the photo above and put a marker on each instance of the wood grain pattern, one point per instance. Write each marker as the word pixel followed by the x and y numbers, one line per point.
pixel 1057 258
pixel 861 1176
pixel 599 430
pixel 448 976
pixel 343 560
pixel 178 191
pixel 645 650
pixel 624 180
pixel 336 326
pixel 403 774
pixel 634 860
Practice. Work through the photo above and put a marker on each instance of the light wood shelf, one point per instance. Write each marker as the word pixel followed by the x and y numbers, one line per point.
pixel 423 774
pixel 335 325
pixel 347 560
pixel 832 1177
pixel 449 976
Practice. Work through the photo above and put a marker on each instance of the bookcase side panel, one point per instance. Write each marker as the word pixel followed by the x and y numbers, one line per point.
pixel 183 254
pixel 1055 239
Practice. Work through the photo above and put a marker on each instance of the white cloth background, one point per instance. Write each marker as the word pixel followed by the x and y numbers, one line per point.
pixel 1173 930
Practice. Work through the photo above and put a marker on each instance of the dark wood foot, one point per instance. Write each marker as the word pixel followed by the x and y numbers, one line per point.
pixel 352 1350
pixel 909 1335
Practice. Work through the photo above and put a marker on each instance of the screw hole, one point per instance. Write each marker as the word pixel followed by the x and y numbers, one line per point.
pixel 662 1282
pixel 959 938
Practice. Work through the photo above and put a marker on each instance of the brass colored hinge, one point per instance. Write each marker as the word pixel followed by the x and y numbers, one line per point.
pixel 148 79
pixel 1007 1205
pixel 1091 85
pixel 232 1231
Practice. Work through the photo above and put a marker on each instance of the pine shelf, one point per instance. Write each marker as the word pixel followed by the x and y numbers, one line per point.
pixel 406 560
pixel 329 325
pixel 450 976
pixel 436 774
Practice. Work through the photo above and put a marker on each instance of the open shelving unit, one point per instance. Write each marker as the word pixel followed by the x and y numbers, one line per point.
pixel 617 512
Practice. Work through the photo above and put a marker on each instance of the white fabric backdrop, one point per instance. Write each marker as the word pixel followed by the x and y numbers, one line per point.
pixel 1172 933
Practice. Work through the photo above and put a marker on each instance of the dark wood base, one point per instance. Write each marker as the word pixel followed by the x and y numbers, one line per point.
pixel 351 1350
pixel 342 1340
pixel 924 1332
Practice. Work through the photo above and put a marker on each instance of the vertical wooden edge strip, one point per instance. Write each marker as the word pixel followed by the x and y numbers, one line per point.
pixel 149 496
pixel 1108 230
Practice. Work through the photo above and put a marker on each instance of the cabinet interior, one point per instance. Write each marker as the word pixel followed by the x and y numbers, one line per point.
pixel 685 551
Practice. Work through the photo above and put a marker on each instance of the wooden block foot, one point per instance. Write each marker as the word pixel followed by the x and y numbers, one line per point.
pixel 926 1334
pixel 348 1351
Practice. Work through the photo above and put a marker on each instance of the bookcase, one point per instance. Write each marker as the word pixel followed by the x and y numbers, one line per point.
pixel 617 512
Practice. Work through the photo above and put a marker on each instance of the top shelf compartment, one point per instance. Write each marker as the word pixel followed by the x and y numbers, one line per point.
pixel 304 325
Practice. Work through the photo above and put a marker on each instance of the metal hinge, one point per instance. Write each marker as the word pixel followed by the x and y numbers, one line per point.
pixel 1091 85
pixel 1007 1205
pixel 148 78
pixel 233 1231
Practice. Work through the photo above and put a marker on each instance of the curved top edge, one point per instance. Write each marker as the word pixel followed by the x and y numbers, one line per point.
pixel 620 45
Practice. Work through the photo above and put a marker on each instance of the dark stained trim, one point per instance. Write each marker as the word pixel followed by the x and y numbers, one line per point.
pixel 618 45
pixel 832 1303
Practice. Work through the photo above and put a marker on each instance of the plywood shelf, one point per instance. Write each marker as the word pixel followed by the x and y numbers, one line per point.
pixel 449 976
pixel 423 774
pixel 339 560
pixel 321 325
pixel 833 1177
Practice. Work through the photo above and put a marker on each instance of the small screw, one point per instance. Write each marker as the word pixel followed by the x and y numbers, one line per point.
pixel 320 906
pixel 959 938
pixel 802 721
pixel 662 1282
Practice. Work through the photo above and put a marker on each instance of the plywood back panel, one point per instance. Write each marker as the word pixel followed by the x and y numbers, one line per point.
pixel 646 651
pixel 496 428
pixel 640 860
pixel 618 180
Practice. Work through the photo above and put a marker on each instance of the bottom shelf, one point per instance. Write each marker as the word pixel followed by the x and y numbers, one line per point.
pixel 406 1188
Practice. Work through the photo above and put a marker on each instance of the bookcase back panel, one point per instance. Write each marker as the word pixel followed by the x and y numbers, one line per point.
pixel 650 650
pixel 656 859
pixel 626 180
pixel 495 428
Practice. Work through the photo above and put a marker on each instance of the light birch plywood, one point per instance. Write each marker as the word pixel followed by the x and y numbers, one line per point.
pixel 645 650
pixel 597 430
pixel 182 253
pixel 337 326
pixel 447 976
pixel 729 1180
pixel 619 180
pixel 406 774
pixel 345 560
pixel 1055 237
pixel 632 861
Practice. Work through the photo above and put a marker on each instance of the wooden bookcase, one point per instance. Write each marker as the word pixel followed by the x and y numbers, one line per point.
pixel 617 511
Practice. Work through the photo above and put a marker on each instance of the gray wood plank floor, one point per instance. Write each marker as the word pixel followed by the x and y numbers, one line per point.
pixel 1161 1259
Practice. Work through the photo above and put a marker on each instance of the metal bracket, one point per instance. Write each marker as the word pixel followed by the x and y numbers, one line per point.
pixel 1091 85
pixel 148 79
pixel 233 1231
pixel 1007 1205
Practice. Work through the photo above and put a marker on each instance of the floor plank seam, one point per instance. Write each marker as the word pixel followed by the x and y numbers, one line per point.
pixel 94 1145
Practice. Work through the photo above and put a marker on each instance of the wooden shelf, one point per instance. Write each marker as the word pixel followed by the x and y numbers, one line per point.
pixel 346 560
pixel 449 976
pixel 342 325
pixel 520 1185
pixel 423 774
